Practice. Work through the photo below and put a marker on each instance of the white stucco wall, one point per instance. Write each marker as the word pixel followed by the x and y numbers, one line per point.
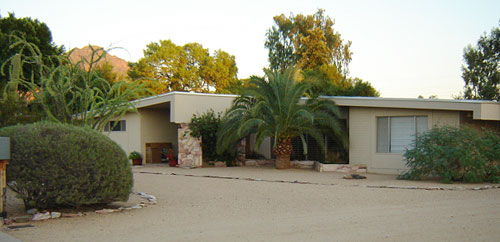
pixel 186 104
pixel 363 136
pixel 156 128
pixel 129 140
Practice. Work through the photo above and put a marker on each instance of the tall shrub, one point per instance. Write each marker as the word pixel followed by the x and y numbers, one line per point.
pixel 58 165
pixel 455 154
pixel 68 92
pixel 205 126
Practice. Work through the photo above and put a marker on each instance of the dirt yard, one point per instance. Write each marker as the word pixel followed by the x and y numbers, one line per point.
pixel 196 208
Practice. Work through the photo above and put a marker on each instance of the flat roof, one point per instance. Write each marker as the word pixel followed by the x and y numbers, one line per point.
pixel 482 109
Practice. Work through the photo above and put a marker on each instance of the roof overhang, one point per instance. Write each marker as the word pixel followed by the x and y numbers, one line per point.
pixel 484 110
pixel 184 104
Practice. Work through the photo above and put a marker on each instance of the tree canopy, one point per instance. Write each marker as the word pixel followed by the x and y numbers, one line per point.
pixel 326 81
pixel 168 67
pixel 310 42
pixel 33 31
pixel 481 70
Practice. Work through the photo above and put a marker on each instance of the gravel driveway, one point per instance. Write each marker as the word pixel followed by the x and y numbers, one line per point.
pixel 266 204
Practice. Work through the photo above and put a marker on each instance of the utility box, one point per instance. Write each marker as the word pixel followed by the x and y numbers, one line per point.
pixel 4 148
pixel 4 160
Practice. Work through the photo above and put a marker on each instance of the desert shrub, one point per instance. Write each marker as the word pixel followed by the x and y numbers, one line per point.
pixel 455 154
pixel 61 165
pixel 205 126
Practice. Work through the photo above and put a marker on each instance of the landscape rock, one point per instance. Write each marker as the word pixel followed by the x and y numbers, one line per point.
pixel 55 214
pixel 41 216
pixel 105 210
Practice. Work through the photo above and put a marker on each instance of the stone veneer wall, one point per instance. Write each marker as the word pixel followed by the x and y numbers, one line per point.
pixel 241 151
pixel 189 154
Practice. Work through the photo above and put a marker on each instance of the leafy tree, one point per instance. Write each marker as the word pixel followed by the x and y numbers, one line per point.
pixel 325 80
pixel 67 93
pixel 169 67
pixel 17 108
pixel 105 71
pixel 481 71
pixel 310 43
pixel 33 31
pixel 273 108
pixel 307 41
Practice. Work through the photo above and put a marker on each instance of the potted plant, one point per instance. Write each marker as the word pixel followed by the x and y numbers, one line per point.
pixel 136 158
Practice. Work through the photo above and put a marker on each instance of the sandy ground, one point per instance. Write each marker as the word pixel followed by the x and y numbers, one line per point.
pixel 213 209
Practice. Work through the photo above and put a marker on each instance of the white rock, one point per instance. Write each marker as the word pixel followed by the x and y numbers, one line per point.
pixel 55 214
pixel 41 216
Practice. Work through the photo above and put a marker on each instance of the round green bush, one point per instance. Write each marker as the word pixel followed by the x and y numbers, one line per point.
pixel 455 154
pixel 61 165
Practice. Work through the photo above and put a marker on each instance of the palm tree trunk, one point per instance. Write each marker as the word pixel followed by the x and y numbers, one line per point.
pixel 282 151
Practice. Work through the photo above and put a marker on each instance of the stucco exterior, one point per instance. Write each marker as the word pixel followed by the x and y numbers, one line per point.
pixel 157 128
pixel 363 135
pixel 159 119
pixel 130 139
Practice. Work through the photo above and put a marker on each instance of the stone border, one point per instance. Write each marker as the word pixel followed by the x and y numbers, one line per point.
pixel 343 168
pixel 37 216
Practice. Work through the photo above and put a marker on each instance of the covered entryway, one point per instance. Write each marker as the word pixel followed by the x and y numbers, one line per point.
pixel 157 152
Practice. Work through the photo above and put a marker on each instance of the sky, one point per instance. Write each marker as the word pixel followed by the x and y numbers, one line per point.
pixel 403 48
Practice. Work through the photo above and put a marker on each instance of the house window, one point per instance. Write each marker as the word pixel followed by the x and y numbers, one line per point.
pixel 116 126
pixel 396 134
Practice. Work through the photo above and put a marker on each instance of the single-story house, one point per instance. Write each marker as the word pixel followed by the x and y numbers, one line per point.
pixel 379 129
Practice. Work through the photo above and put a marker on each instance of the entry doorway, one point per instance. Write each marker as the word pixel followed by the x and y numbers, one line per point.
pixel 157 152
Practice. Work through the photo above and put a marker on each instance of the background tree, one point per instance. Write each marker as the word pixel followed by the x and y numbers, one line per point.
pixel 105 71
pixel 169 67
pixel 327 81
pixel 481 72
pixel 17 104
pixel 310 43
pixel 33 31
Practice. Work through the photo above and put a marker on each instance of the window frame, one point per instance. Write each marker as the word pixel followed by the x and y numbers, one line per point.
pixel 121 126
pixel 389 131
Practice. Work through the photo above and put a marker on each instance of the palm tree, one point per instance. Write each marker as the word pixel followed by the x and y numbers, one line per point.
pixel 274 108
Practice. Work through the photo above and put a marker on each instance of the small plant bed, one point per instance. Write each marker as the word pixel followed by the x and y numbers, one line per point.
pixel 140 200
